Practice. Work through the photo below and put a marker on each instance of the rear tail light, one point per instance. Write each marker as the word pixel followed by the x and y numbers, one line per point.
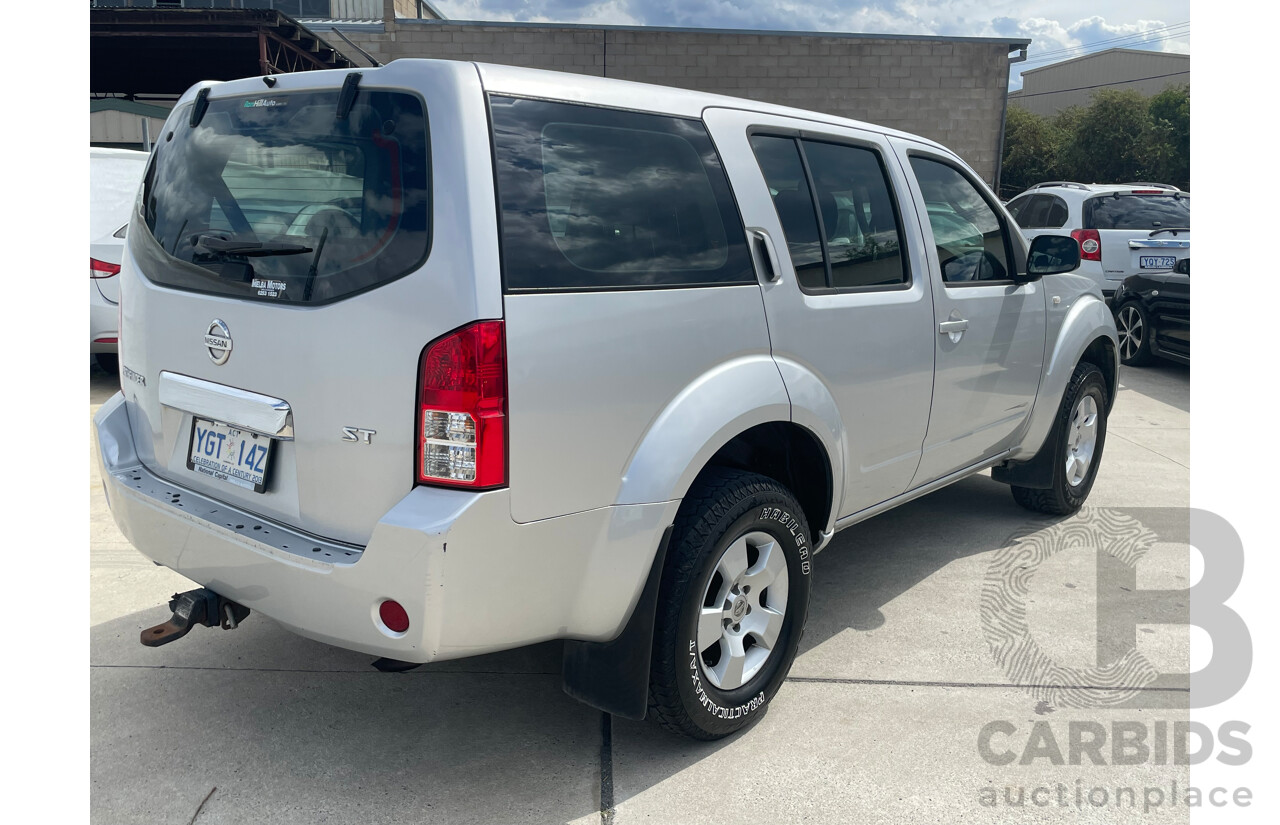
pixel 102 269
pixel 1090 244
pixel 462 403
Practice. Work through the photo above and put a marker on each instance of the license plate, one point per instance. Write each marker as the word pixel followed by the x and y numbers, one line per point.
pixel 1156 262
pixel 229 454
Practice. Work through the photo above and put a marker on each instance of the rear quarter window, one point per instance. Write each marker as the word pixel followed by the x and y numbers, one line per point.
pixel 596 198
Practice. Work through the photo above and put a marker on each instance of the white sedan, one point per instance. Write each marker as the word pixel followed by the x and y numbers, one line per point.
pixel 114 177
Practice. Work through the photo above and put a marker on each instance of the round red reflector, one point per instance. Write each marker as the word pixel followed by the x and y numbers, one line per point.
pixel 394 616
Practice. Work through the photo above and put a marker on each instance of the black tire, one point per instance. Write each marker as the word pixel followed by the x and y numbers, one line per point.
pixel 1134 327
pixel 1065 497
pixel 108 362
pixel 724 506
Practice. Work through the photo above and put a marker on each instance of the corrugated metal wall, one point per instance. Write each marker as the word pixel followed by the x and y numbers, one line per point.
pixel 356 9
pixel 120 127
pixel 1049 90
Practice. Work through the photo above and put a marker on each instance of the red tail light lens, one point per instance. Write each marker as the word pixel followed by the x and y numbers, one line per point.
pixel 462 404
pixel 102 269
pixel 1090 244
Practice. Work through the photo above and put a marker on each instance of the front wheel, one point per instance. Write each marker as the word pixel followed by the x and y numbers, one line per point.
pixel 732 606
pixel 1077 440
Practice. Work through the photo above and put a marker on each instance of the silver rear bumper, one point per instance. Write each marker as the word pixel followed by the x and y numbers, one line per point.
pixel 472 580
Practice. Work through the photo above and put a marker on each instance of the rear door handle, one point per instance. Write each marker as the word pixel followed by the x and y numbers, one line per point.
pixel 948 327
pixel 764 250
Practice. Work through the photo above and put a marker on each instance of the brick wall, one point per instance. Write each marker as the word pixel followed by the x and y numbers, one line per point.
pixel 949 90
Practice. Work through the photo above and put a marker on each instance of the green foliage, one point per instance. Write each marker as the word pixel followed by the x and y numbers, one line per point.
pixel 1120 136
pixel 1168 138
pixel 1030 147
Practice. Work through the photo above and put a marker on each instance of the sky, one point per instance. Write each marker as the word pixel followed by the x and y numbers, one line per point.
pixel 1058 29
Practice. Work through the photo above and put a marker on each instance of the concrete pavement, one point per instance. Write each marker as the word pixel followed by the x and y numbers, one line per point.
pixel 879 722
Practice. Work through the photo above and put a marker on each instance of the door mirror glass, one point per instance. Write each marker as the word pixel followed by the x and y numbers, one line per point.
pixel 1183 267
pixel 1052 255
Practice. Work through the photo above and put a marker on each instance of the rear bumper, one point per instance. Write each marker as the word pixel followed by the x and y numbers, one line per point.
pixel 472 580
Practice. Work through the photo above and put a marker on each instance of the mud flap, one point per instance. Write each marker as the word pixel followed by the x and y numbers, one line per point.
pixel 614 676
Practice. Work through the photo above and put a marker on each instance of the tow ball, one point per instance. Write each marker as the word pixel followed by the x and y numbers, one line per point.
pixel 195 607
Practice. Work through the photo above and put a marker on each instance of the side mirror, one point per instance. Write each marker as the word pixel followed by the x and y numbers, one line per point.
pixel 1052 255
pixel 1183 267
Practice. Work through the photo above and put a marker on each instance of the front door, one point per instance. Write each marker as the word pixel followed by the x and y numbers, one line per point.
pixel 989 331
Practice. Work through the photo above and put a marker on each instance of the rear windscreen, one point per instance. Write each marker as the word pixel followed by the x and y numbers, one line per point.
pixel 279 199
pixel 1138 212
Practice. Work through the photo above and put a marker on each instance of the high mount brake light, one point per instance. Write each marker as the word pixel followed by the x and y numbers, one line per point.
pixel 1090 244
pixel 462 406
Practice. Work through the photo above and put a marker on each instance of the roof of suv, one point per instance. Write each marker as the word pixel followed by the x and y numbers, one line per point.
pixel 1095 188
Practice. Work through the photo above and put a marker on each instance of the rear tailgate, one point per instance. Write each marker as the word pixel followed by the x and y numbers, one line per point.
pixel 1140 230
pixel 289 267
pixel 1159 253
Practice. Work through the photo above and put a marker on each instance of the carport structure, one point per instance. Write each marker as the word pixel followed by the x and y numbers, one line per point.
pixel 160 53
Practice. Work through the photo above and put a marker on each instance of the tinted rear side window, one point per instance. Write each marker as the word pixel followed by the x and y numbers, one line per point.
pixel 1137 212
pixel 275 198
pixel 779 159
pixel 847 215
pixel 858 215
pixel 596 198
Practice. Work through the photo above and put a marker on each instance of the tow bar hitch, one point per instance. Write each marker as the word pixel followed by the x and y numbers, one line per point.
pixel 203 607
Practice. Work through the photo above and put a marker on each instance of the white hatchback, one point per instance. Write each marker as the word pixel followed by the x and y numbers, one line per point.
pixel 1123 229
pixel 114 177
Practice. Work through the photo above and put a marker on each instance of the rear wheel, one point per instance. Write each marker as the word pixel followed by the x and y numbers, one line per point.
pixel 733 603
pixel 1134 329
pixel 1077 440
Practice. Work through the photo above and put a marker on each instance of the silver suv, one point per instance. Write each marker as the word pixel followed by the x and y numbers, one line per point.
pixel 1122 229
pixel 440 359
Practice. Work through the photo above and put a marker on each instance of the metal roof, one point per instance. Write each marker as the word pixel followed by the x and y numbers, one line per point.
pixel 1093 55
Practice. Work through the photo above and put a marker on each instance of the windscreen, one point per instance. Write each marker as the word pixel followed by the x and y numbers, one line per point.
pixel 278 198
pixel 1138 212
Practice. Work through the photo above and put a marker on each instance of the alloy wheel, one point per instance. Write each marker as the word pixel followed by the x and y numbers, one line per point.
pixel 742 611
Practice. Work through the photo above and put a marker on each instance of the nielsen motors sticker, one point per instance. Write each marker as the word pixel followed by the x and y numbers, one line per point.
pixel 264 102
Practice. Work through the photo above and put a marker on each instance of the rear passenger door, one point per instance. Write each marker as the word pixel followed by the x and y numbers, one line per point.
pixel 847 305
pixel 989 331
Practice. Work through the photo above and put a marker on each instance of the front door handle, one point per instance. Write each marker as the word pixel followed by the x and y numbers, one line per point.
pixel 953 327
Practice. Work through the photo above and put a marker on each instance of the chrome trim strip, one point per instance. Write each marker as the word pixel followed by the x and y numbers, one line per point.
pixel 933 486
pixel 251 411
pixel 1141 244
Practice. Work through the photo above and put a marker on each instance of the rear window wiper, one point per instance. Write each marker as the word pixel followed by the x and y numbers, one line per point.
pixel 1174 229
pixel 220 245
